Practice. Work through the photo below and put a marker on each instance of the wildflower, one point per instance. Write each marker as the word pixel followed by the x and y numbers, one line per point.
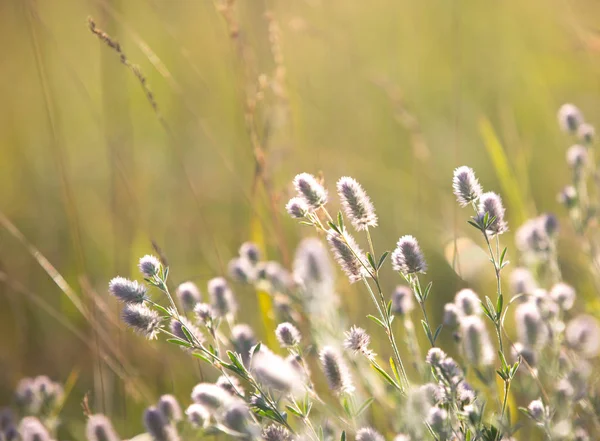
pixel 204 312
pixel 197 415
pixel 311 191
pixel 278 276
pixel 465 185
pixel 577 157
pixel 157 426
pixel 526 353
pixel 222 299
pixel 537 410
pixel 142 320
pixel 476 341
pixel 407 258
pixel 452 315
pixel 31 429
pixel 568 196
pixel 550 223
pixel 586 133
pixel 240 270
pixel 243 339
pixel 99 428
pixel 531 237
pixel 356 204
pixel 347 253
pixel 211 396
pixel 468 302
pixel 274 372
pixel 237 417
pixel 437 419
pixel 531 329
pixel 250 252
pixel 276 432
pixel 127 291
pixel 336 372
pixel 402 437
pixel 287 335
pixel 402 300
pixel 569 118
pixel 491 204
pixel 465 393
pixel 188 295
pixel 368 434
pixel 297 208
pixel 435 356
pixel 149 266
pixel 230 385
pixel 563 295
pixel 580 435
pixel 170 409
pixel 583 335
pixel 357 340
pixel 522 281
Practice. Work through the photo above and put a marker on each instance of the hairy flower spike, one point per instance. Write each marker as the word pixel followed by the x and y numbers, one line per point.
pixel 169 407
pixel 537 410
pixel 368 434
pixel 211 396
pixel 356 204
pixel 197 415
pixel 274 372
pixel 577 157
pixel 157 426
pixel 357 340
pixel 237 418
pixel 336 372
pixel 452 315
pixel 142 320
pixel 465 186
pixel 297 208
pixel 222 300
pixel 586 133
pixel 407 258
pixel 476 342
pixel 563 295
pixel 287 335
pixel 311 191
pixel 276 432
pixel 31 429
pixel 569 118
pixel 347 253
pixel 149 266
pixel 402 300
pixel 531 329
pixel 491 204
pixel 240 270
pixel 127 291
pixel 243 339
pixel 583 335
pixel 99 428
pixel 188 295
pixel 250 252
pixel 522 282
pixel 468 302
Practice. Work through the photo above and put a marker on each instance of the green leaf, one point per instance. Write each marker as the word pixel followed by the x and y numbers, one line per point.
pixel 395 370
pixel 334 227
pixel 162 309
pixel 343 437
pixel 382 259
pixel 201 357
pixel 474 224
pixel 386 376
pixel 437 332
pixel 340 220
pixel 176 341
pixel 503 255
pixel 256 348
pixel 499 305
pixel 295 411
pixel 371 261
pixel 376 320
pixel 361 409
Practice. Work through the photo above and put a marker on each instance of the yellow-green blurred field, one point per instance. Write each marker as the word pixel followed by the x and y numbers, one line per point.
pixel 394 93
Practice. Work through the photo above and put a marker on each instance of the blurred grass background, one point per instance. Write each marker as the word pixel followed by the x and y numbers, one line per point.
pixel 394 93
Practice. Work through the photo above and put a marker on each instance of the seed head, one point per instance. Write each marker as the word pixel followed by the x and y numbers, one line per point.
pixel 141 319
pixel 402 300
pixel 348 254
pixel 336 372
pixel 188 295
pixel 243 339
pixel 287 335
pixel 356 204
pixel 491 204
pixel 157 426
pixel 577 157
pixel 169 407
pixel 197 415
pixel 407 258
pixel 563 295
pixel 297 208
pixel 583 335
pixel 537 410
pixel 452 315
pixel 99 428
pixel 275 432
pixel 250 252
pixel 465 185
pixel 435 356
pixel 222 300
pixel 127 291
pixel 368 434
pixel 237 418
pixel 240 270
pixel 476 342
pixel 569 118
pixel 531 329
pixel 468 302
pixel 310 190
pixel 211 396
pixel 149 266
pixel 31 429
pixel 357 340
pixel 586 133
